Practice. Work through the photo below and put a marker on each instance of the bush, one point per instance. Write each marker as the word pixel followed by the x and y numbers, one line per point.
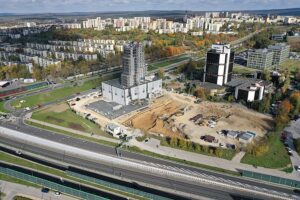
pixel 185 145
pixel 258 148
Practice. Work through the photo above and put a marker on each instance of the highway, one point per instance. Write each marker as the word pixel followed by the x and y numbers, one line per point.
pixel 133 175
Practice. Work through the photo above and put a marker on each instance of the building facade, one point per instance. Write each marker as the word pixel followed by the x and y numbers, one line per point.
pixel 133 84
pixel 134 67
pixel 281 53
pixel 260 59
pixel 219 64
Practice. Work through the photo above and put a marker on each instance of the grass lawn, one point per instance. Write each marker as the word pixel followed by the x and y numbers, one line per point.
pixel 188 163
pixel 72 134
pixel 11 179
pixel 60 93
pixel 22 162
pixel 2 195
pixel 21 198
pixel 65 117
pixel 166 62
pixel 237 69
pixel 291 64
pixel 288 169
pixel 276 157
pixel 2 109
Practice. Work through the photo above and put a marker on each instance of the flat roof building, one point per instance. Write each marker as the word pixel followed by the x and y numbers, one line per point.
pixel 281 53
pixel 260 58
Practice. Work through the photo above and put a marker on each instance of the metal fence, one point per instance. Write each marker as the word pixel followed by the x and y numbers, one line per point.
pixel 49 184
pixel 272 179
pixel 117 186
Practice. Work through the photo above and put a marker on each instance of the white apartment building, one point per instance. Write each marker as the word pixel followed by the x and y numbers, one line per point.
pixel 260 58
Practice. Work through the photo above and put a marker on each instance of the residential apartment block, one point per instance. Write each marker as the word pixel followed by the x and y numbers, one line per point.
pixel 281 53
pixel 274 56
pixel 260 58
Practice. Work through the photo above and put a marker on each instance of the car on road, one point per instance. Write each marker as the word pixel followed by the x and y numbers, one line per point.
pixel 297 168
pixel 19 152
pixel 286 144
pixel 288 149
pixel 57 193
pixel 45 190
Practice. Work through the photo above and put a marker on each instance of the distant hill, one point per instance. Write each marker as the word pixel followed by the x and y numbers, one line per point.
pixel 151 13
pixel 283 12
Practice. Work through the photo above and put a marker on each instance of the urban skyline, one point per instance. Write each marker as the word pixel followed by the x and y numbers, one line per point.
pixel 41 6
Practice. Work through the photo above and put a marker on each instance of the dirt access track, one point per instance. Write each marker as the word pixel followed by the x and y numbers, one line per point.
pixel 170 116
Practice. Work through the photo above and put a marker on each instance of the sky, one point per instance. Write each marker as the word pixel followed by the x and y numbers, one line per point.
pixel 41 6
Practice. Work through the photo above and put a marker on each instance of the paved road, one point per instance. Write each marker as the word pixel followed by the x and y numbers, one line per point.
pixel 11 190
pixel 176 184
pixel 111 151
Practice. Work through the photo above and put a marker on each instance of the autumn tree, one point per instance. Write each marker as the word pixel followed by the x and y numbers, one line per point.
pixel 295 100
pixel 37 73
pixel 282 117
pixel 201 93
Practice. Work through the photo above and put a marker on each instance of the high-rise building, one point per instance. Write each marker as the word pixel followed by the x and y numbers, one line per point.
pixel 134 68
pixel 134 84
pixel 219 64
pixel 260 58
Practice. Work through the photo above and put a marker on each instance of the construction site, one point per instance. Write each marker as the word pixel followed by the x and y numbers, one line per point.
pixel 176 115
pixel 179 115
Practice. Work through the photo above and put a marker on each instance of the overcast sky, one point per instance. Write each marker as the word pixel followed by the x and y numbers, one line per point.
pixel 40 6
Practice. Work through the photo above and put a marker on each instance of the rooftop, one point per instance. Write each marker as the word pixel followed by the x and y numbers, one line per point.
pixel 278 46
pixel 246 136
pixel 117 83
pixel 247 81
pixel 112 110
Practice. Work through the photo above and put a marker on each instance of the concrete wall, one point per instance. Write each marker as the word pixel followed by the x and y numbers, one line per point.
pixel 107 92
pixel 139 92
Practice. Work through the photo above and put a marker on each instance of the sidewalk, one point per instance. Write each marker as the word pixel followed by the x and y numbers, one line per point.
pixel 12 189
pixel 153 145
pixel 74 131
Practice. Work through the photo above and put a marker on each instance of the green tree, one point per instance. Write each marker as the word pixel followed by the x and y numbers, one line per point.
pixel 161 73
pixel 230 98
pixel 265 104
pixel 219 152
pixel 182 144
pixel 174 142
pixel 266 75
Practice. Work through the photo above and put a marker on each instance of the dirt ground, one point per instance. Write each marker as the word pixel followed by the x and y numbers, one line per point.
pixel 152 119
pixel 163 117
pixel 56 108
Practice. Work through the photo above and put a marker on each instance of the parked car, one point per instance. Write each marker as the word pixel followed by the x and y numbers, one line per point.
pixel 45 190
pixel 289 149
pixel 221 145
pixel 57 193
pixel 297 168
pixel 19 152
pixel 211 126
